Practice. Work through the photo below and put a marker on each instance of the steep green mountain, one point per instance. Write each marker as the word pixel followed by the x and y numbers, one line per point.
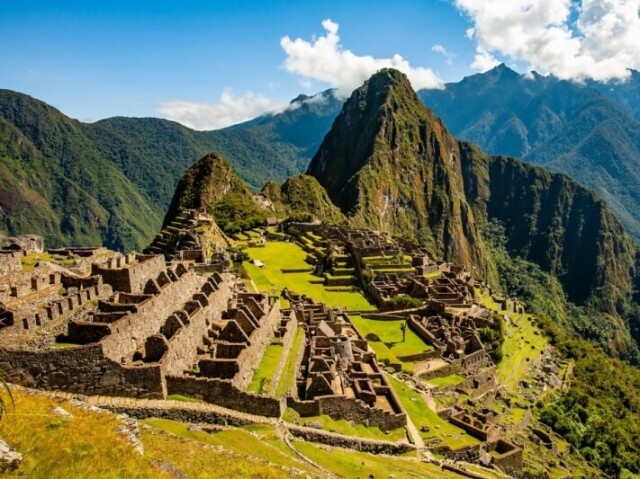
pixel 390 164
pixel 554 222
pixel 302 197
pixel 109 182
pixel 211 184
pixel 566 127
pixel 56 183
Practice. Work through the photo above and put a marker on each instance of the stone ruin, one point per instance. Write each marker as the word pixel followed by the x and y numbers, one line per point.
pixel 134 325
pixel 338 374
pixel 456 338
pixel 193 237
pixel 39 298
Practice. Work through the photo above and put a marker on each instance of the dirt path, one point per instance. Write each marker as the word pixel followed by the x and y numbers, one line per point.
pixel 284 436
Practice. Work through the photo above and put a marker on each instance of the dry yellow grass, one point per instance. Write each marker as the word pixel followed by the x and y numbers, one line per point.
pixel 87 446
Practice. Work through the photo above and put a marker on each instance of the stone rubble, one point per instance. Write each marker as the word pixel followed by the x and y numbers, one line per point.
pixel 10 459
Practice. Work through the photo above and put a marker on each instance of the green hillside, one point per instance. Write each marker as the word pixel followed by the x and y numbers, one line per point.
pixel 109 182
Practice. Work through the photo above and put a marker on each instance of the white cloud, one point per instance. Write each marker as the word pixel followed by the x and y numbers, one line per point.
pixel 229 110
pixel 449 57
pixel 483 60
pixel 325 60
pixel 601 44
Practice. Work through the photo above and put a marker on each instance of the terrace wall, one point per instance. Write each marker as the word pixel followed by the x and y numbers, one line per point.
pixel 129 332
pixel 131 279
pixel 84 370
pixel 225 394
pixel 350 409
pixel 183 345
pixel 250 357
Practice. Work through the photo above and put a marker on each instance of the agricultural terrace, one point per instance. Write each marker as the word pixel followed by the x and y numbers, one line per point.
pixel 358 464
pixel 288 374
pixel 523 343
pixel 279 257
pixel 422 415
pixel 348 428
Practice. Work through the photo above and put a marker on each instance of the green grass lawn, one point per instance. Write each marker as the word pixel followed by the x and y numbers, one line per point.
pixel 343 426
pixel 450 380
pixel 235 439
pixel 521 346
pixel 288 374
pixel 280 255
pixel 422 415
pixel 29 261
pixel 385 338
pixel 266 369
pixel 354 464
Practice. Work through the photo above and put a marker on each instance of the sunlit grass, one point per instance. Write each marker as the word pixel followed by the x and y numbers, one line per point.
pixel 422 415
pixel 277 256
pixel 264 374
pixel 385 338
pixel 450 380
pixel 287 377
pixel 522 344
pixel 353 464
pixel 343 426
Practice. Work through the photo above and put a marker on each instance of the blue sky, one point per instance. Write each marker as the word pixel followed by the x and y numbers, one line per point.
pixel 210 63
pixel 98 59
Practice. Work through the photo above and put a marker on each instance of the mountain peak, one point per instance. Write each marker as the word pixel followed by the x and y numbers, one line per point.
pixel 378 161
pixel 502 72
pixel 387 79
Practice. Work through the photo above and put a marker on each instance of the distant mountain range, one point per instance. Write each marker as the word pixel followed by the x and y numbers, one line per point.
pixel 586 131
pixel 109 182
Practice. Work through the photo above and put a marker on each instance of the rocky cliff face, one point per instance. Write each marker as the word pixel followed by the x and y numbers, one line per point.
pixel 553 221
pixel 389 164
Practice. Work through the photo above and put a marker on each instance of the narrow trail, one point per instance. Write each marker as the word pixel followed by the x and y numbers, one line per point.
pixel 284 436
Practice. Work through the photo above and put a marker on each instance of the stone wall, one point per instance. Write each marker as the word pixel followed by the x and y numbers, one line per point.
pixel 223 393
pixel 287 342
pixel 469 428
pixel 350 409
pixel 62 307
pixel 507 458
pixel 304 408
pixel 250 357
pixel 83 369
pixel 183 413
pixel 130 273
pixel 10 262
pixel 183 345
pixel 130 332
pixel 349 442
